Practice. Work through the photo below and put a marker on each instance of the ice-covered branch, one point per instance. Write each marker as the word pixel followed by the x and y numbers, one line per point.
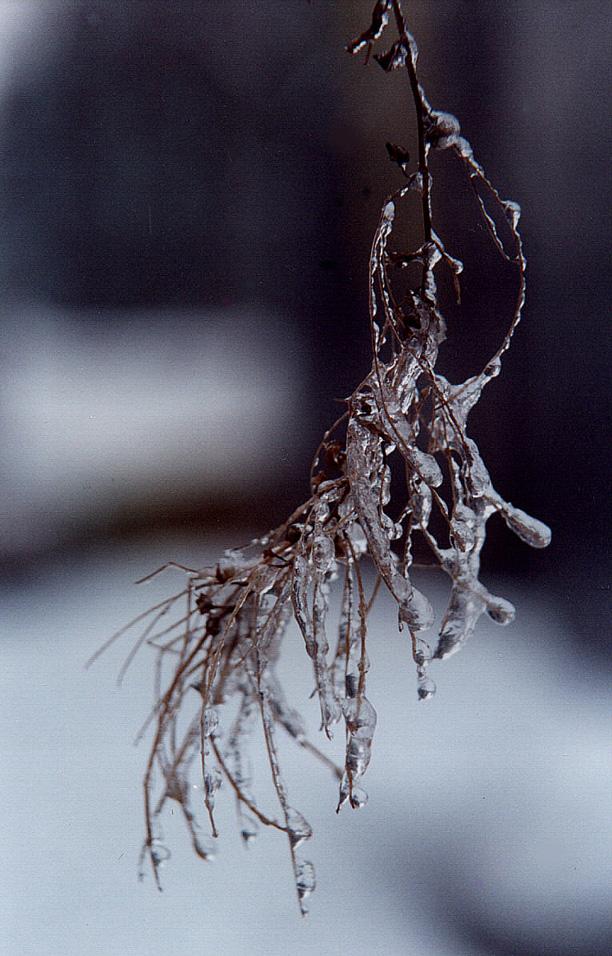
pixel 404 418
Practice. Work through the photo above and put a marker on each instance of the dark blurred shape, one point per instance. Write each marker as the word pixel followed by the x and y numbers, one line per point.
pixel 149 160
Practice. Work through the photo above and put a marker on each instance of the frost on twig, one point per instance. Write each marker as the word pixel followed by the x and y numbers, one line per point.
pixel 404 417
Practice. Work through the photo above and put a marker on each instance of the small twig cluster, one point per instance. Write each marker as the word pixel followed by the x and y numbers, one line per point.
pixel 404 418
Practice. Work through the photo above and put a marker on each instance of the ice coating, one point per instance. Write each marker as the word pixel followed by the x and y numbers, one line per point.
pixel 360 718
pixel 530 530
pixel 298 827
pixel 210 774
pixel 310 614
pixel 305 883
pixel 397 466
pixel 322 553
pixel 380 19
pixel 238 764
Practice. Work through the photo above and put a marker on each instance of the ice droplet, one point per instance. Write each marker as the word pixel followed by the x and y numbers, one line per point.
pixel 426 688
pixel 358 539
pixel 428 467
pixel 203 849
pixel 358 798
pixel 423 654
pixel 443 124
pixel 421 502
pixel 159 853
pixel 389 212
pixel 530 530
pixel 211 722
pixel 360 717
pixel 298 827
pixel 305 879
pixel 500 610
pixel 513 212
pixel 212 782
pixel 417 612
pixel 249 830
pixel 457 623
pixel 463 527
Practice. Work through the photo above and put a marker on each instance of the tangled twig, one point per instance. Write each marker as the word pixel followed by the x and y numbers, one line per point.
pixel 404 417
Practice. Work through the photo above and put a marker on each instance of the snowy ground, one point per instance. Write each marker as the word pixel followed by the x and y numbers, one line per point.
pixel 487 829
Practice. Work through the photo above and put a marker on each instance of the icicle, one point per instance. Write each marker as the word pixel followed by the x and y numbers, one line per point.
pixel 459 621
pixel 212 775
pixel 313 632
pixel 415 609
pixel 322 553
pixel 360 718
pixel 347 635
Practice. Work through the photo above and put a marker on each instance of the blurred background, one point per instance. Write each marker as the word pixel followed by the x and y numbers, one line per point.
pixel 188 193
